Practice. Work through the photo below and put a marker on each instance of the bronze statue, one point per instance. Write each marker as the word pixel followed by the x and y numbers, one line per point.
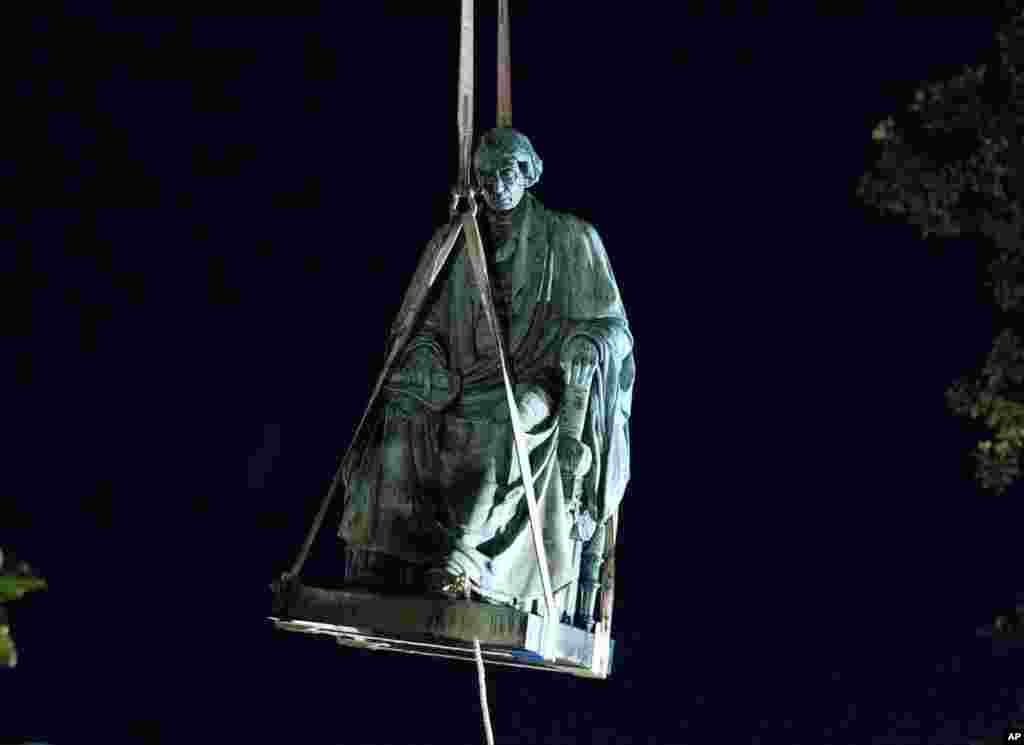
pixel 435 500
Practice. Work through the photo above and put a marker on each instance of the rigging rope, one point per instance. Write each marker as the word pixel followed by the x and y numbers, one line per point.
pixel 483 693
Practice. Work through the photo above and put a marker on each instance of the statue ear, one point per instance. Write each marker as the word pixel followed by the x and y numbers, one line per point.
pixel 531 170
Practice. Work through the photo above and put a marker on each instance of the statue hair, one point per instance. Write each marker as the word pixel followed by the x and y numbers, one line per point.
pixel 506 140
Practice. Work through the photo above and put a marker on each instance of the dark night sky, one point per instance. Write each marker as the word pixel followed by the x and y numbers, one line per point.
pixel 217 219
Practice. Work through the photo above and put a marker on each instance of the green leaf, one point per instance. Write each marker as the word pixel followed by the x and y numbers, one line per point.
pixel 13 587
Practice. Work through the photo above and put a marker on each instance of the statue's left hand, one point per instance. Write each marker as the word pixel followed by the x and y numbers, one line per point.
pixel 534 405
pixel 579 360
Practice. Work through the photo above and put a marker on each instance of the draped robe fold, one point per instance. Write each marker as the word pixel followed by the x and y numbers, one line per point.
pixel 427 486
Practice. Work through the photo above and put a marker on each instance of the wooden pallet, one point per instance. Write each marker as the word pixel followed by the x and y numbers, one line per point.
pixel 440 627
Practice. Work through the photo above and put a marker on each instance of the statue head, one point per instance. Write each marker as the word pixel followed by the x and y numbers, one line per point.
pixel 506 165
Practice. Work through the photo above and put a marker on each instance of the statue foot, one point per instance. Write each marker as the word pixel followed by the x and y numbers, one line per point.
pixel 447 583
pixel 457 577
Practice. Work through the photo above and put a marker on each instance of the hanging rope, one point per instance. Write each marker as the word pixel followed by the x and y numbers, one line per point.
pixel 478 264
pixel 483 692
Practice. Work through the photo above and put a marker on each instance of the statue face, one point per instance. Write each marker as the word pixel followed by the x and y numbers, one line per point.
pixel 501 180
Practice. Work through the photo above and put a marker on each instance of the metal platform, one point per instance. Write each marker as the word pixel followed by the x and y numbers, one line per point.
pixel 439 627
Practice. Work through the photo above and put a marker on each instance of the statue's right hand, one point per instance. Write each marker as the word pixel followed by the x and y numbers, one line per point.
pixel 421 367
pixel 412 379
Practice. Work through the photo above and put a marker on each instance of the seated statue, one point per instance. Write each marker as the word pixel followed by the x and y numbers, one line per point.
pixel 435 499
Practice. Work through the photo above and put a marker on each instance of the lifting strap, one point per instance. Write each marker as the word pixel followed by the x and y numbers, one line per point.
pixel 465 112
pixel 478 263
pixel 430 265
pixel 475 251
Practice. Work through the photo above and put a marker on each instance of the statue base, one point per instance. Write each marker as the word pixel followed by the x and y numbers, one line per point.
pixel 442 627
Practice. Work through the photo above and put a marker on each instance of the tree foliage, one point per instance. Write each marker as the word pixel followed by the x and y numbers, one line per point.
pixel 949 164
pixel 16 579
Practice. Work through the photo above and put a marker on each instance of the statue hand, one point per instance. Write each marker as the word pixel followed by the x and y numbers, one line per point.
pixel 417 372
pixel 534 405
pixel 421 366
pixel 579 360
pixel 584 526
pixel 574 456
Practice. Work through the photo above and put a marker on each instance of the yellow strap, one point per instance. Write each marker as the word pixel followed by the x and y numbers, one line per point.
pixel 465 102
pixel 504 118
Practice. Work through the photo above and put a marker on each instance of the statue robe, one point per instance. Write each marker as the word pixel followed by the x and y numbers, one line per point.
pixel 432 485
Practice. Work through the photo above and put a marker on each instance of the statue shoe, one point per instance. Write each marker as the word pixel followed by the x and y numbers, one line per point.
pixel 447 583
pixel 458 576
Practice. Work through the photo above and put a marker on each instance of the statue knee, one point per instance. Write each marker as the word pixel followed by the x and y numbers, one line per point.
pixel 394 451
